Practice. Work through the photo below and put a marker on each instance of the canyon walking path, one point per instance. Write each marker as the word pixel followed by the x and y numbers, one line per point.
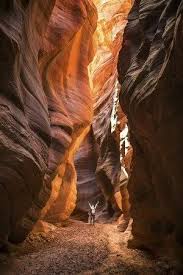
pixel 79 248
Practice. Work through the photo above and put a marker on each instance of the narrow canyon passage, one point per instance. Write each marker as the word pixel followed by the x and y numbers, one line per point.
pixel 91 120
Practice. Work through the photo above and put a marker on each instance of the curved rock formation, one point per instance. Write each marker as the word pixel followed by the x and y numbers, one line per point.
pixel 103 72
pixel 150 66
pixel 25 128
pixel 46 107
pixel 68 51
pixel 104 139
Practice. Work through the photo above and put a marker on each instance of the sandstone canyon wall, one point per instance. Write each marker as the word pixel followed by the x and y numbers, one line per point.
pixel 105 171
pixel 150 66
pixel 88 190
pixel 67 52
pixel 112 18
pixel 46 108
pixel 25 129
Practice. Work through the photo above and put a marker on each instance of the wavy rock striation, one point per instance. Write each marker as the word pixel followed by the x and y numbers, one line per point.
pixel 104 175
pixel 67 53
pixel 24 129
pixel 150 66
pixel 103 72
pixel 46 107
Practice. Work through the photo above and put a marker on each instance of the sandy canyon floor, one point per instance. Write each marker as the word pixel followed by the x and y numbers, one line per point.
pixel 78 248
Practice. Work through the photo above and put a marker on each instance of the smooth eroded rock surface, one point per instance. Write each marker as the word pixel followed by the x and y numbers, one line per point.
pixel 150 72
pixel 67 52
pixel 98 159
pixel 25 134
pixel 46 108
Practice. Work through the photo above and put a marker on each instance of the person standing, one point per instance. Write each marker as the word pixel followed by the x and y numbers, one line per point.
pixel 92 212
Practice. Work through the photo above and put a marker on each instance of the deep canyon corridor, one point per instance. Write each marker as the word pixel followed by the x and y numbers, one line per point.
pixel 91 130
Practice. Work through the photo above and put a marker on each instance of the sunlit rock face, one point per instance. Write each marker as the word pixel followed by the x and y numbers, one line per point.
pixel 112 17
pixel 67 52
pixel 46 107
pixel 103 176
pixel 150 66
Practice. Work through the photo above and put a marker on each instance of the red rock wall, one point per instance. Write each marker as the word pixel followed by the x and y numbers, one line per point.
pixel 103 73
pixel 67 53
pixel 103 80
pixel 46 107
pixel 150 66
pixel 85 163
pixel 24 129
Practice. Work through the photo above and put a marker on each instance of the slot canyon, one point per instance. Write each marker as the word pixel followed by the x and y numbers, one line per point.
pixel 90 120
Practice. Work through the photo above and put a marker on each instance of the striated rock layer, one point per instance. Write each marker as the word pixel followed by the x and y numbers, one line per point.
pixel 103 73
pixel 46 107
pixel 150 66
pixel 25 134
pixel 105 173
pixel 67 53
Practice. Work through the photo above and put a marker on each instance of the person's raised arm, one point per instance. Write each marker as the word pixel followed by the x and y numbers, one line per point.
pixel 96 204
pixel 89 204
